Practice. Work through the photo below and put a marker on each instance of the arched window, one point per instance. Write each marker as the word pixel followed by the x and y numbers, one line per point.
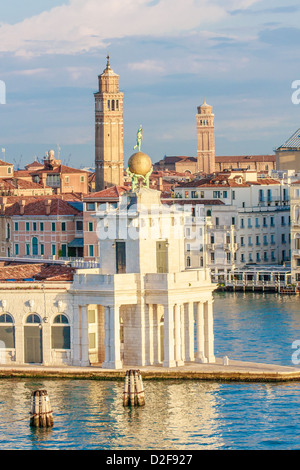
pixel 112 105
pixel 208 213
pixel 60 332
pixel 7 331
pixel 33 318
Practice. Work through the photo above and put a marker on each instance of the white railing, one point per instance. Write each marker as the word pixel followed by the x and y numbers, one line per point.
pixel 75 262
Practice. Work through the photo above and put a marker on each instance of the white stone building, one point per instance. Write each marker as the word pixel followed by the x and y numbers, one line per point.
pixel 295 232
pixel 247 219
pixel 142 307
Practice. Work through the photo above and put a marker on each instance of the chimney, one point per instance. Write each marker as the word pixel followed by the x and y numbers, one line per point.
pixel 48 206
pixel 22 206
pixel 160 185
pixel 3 204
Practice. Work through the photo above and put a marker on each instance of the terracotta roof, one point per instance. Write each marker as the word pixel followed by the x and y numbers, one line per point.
pixel 178 159
pixel 38 207
pixel 245 158
pixel 17 183
pixel 22 173
pixel 225 181
pixel 59 169
pixel 106 194
pixel 39 272
pixel 71 197
pixel 2 163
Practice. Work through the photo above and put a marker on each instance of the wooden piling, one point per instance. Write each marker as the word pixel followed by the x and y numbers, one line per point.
pixel 126 390
pixel 41 413
pixel 134 394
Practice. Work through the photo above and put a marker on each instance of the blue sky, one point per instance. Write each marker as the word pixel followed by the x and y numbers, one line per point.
pixel 241 55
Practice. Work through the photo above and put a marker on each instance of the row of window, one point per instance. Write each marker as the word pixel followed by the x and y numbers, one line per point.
pixel 34 226
pixel 39 249
pixel 265 222
pixel 258 257
pixel 60 330
pixel 265 239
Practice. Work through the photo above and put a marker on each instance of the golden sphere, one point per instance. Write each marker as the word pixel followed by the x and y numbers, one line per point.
pixel 139 164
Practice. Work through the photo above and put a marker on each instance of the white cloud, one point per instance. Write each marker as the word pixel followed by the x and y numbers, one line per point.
pixel 82 25
pixel 149 66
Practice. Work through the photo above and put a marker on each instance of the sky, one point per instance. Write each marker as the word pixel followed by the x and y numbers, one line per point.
pixel 241 56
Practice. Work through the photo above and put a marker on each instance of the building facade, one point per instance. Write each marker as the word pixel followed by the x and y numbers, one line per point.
pixel 247 220
pixel 142 307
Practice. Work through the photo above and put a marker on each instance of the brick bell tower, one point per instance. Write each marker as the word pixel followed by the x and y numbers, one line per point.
pixel 205 139
pixel 109 146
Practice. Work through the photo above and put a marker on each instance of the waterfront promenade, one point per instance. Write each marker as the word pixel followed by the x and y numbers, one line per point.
pixel 235 371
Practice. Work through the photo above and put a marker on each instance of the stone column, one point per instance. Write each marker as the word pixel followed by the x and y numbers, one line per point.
pixel 107 359
pixel 84 336
pixel 112 338
pixel 141 333
pixel 158 339
pixel 200 354
pixel 19 343
pixel 169 360
pixel 178 336
pixel 209 332
pixel 46 343
pixel 76 346
pixel 189 349
pixel 150 345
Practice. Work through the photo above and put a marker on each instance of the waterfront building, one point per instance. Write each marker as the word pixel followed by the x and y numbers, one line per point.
pixel 109 146
pixel 142 307
pixel 247 219
pixel 295 232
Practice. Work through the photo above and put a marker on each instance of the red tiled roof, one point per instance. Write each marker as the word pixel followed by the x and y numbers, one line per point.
pixel 39 272
pixel 58 170
pixel 16 183
pixel 224 181
pixel 110 193
pixel 38 207
pixel 178 159
pixel 2 163
pixel 245 158
pixel 9 200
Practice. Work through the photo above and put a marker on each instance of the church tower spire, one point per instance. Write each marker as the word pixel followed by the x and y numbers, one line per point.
pixel 109 146
pixel 205 139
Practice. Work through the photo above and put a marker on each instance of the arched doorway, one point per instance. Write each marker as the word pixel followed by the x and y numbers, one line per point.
pixel 33 339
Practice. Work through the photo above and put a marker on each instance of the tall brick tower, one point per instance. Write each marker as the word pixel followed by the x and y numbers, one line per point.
pixel 109 146
pixel 205 139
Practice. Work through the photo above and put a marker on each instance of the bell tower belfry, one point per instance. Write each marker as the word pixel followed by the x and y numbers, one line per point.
pixel 109 146
pixel 205 139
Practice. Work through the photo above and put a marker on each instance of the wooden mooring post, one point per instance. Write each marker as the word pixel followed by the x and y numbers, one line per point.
pixel 134 394
pixel 41 412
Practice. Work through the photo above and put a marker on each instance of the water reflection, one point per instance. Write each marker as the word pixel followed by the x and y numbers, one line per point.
pixel 258 327
pixel 177 415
